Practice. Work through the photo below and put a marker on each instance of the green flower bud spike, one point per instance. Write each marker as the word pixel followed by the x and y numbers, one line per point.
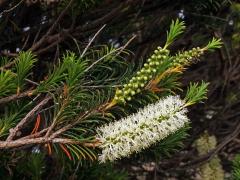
pixel 149 70
pixel 185 58
pixel 142 77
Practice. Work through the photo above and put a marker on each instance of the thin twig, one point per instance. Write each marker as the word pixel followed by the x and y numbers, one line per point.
pixel 14 131
pixel 12 8
pixel 90 42
pixel 44 140
pixel 37 35
pixel 124 47
pixel 116 50
pixel 16 96
pixel 101 86
pixel 35 135
pixel 69 126
pixel 25 43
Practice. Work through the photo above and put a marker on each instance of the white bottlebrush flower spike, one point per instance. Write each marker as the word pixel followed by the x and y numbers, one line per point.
pixel 142 129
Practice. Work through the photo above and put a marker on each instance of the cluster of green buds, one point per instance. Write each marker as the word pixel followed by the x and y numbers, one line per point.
pixel 186 57
pixel 142 77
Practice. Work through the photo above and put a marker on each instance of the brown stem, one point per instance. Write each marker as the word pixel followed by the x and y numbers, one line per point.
pixel 14 131
pixel 11 9
pixel 16 96
pixel 92 39
pixel 35 135
pixel 43 140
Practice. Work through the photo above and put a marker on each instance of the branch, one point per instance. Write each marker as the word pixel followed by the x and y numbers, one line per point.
pixel 35 135
pixel 14 131
pixel 16 96
pixel 11 9
pixel 119 50
pixel 90 42
pixel 43 140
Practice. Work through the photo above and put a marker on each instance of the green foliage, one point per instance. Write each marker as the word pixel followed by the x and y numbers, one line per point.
pixel 3 61
pixel 75 68
pixel 170 83
pixel 7 84
pixel 214 44
pixel 10 81
pixel 12 114
pixel 196 93
pixel 24 63
pixel 108 67
pixel 53 81
pixel 172 143
pixel 236 168
pixel 7 122
pixel 176 28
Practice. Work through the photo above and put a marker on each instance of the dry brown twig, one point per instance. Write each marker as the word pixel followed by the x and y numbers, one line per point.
pixel 43 140
pixel 37 138
pixel 16 96
pixel 16 129
pixel 11 9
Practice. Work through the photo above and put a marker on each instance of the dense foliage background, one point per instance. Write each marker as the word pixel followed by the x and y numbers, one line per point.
pixel 48 28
